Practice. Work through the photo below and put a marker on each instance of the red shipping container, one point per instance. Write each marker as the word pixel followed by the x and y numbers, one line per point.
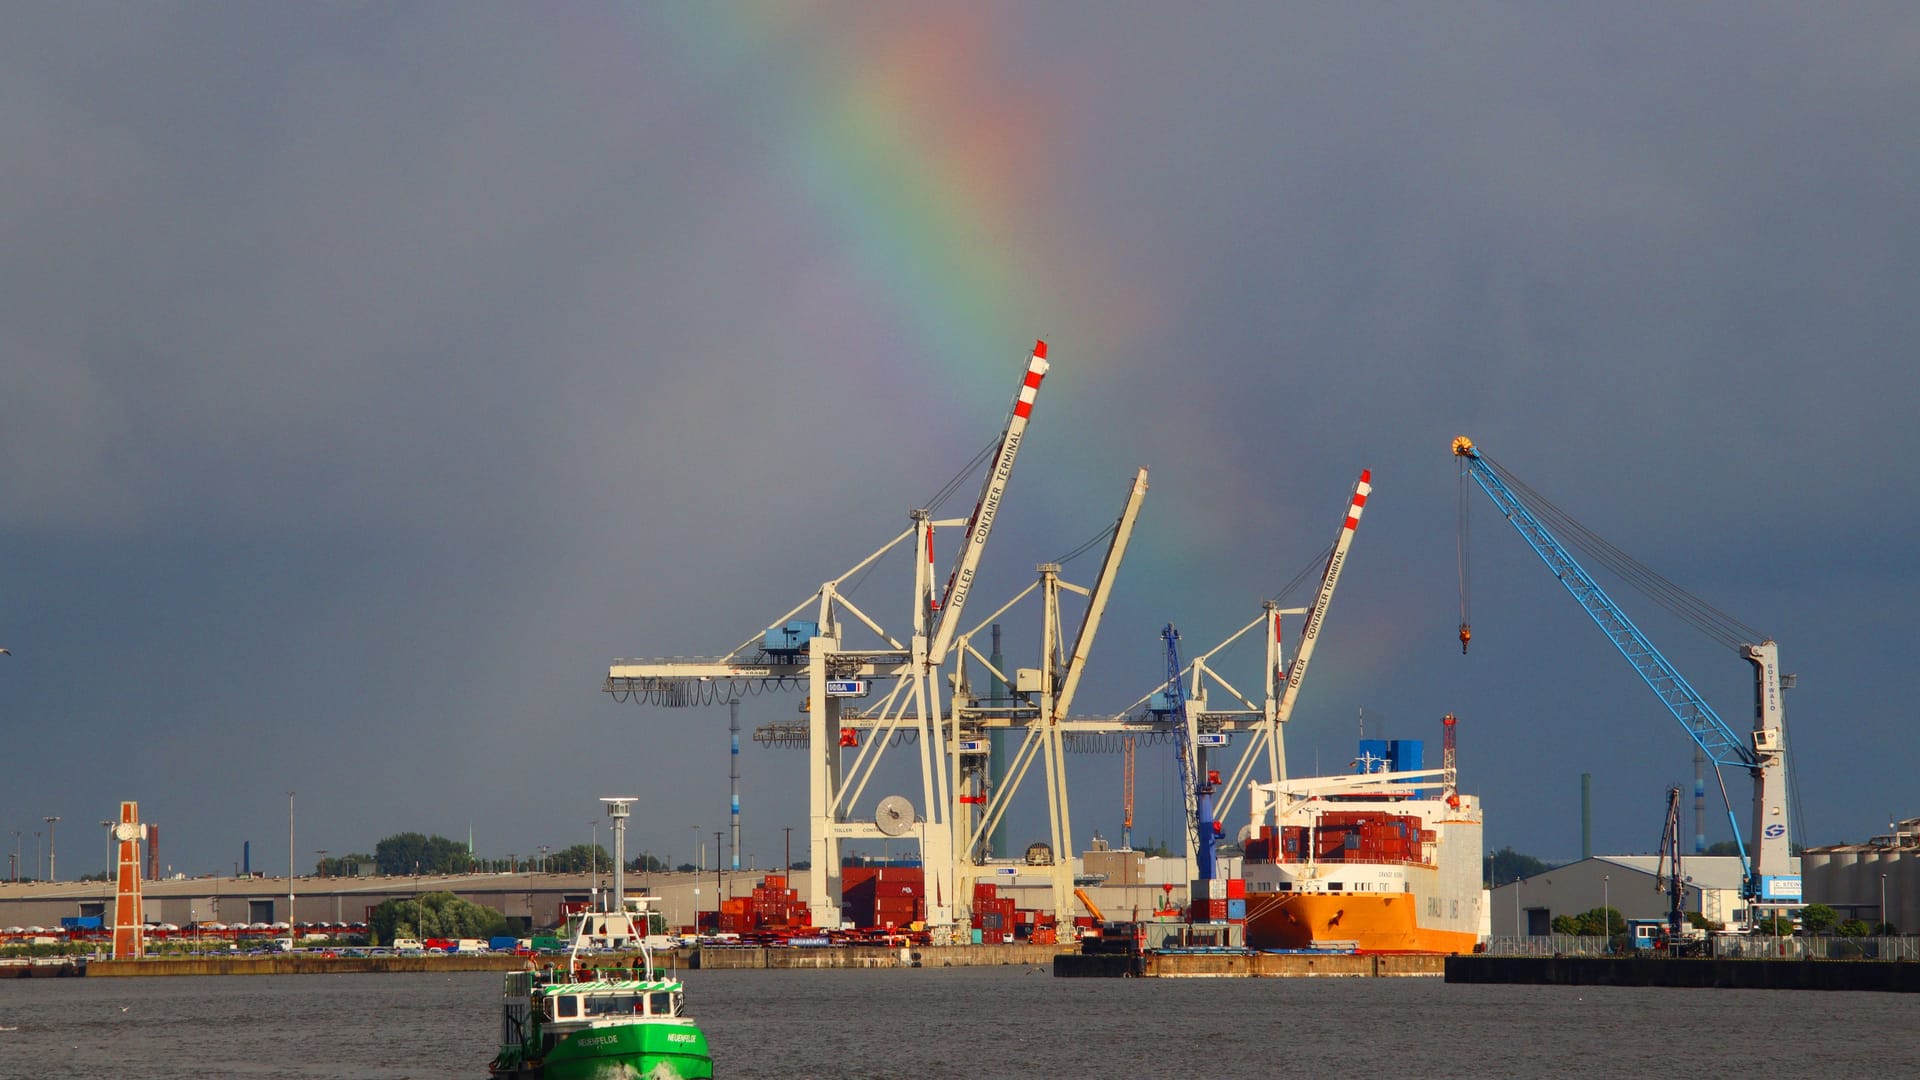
pixel 1236 888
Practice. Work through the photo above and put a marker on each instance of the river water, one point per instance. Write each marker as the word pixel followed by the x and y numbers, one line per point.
pixel 974 1023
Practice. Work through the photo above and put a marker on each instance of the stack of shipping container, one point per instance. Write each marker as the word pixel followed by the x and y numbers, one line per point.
pixel 772 907
pixel 882 897
pixel 1218 900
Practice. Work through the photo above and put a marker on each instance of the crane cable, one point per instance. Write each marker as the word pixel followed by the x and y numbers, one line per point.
pixel 1711 621
pixel 969 469
pixel 1462 546
pixel 1688 607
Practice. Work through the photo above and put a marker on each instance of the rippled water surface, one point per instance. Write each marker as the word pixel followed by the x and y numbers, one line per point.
pixel 974 1023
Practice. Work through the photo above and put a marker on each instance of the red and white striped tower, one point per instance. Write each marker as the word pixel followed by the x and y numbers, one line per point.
pixel 129 922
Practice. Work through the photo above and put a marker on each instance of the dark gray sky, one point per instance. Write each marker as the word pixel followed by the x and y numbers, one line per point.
pixel 370 377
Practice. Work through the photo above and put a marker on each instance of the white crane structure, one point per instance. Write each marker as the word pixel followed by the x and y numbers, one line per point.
pixel 1043 696
pixel 845 746
pixel 870 690
pixel 1264 721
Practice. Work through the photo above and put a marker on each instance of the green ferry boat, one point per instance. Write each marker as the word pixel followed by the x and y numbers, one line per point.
pixel 601 1023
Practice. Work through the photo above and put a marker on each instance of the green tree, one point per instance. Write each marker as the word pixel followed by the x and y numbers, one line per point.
pixel 438 915
pixel 1597 922
pixel 1701 922
pixel 647 863
pixel 580 859
pixel 340 866
pixel 1853 928
pixel 1507 865
pixel 1779 925
pixel 1816 918
pixel 406 853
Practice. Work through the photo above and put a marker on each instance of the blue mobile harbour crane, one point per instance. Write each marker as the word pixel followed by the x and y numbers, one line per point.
pixel 1767 877
pixel 1201 831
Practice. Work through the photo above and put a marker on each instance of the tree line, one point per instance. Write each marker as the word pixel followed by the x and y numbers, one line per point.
pixel 417 853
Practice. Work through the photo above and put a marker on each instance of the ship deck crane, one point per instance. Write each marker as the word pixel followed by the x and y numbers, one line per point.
pixel 1768 877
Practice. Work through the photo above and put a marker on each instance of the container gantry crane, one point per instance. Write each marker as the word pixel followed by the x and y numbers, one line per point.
pixel 795 653
pixel 1769 881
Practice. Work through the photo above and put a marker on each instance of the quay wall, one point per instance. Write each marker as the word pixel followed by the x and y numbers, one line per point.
pixel 1227 965
pixel 1687 972
pixel 301 965
pixel 870 956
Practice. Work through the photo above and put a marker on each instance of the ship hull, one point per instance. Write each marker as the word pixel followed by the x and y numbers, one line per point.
pixel 621 1052
pixel 1371 923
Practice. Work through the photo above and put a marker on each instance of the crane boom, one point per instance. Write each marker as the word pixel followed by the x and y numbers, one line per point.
pixel 1297 670
pixel 1768 876
pixel 967 561
pixel 1097 599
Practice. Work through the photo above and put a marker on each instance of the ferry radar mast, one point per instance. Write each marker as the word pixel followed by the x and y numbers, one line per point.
pixel 617 809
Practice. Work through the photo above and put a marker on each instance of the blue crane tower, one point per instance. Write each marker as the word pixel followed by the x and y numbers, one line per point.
pixel 1198 792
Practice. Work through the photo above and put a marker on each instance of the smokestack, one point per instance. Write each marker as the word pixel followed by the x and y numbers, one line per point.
pixel 153 852
pixel 246 858
pixel 1586 815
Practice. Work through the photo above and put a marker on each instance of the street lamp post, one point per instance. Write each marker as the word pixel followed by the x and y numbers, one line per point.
pixel 112 854
pixel 1517 931
pixel 52 874
pixel 1883 904
pixel 593 853
pixel 13 868
pixel 290 860
pixel 717 863
pixel 1606 912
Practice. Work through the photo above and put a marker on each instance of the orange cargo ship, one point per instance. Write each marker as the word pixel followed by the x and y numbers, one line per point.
pixel 1377 861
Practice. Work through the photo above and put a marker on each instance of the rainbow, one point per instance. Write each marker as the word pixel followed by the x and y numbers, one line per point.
pixel 930 173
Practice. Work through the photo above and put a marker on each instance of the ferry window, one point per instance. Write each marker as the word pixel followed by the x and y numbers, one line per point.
pixel 661 1004
pixel 1333 886
pixel 569 1007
